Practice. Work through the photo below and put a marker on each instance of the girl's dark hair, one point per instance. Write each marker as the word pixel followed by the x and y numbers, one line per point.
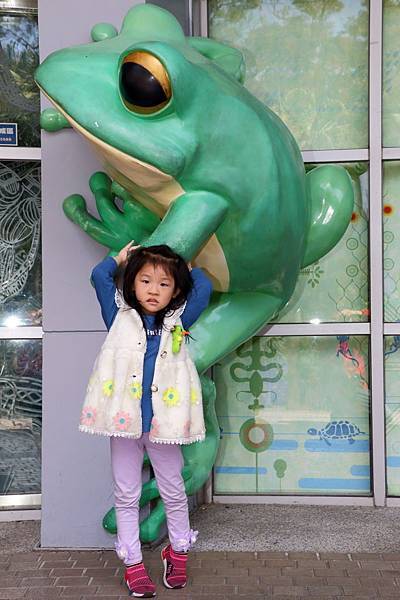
pixel 173 264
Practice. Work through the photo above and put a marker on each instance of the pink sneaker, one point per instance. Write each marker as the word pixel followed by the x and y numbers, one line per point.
pixel 138 582
pixel 174 568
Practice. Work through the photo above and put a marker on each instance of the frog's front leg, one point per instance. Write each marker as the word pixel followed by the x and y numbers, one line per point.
pixel 116 227
pixel 189 222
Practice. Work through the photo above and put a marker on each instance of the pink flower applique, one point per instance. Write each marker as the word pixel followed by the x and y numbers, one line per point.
pixel 88 416
pixel 154 427
pixel 122 421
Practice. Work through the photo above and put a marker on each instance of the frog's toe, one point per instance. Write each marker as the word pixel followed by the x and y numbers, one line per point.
pixel 52 120
pixel 110 521
pixel 99 181
pixel 75 207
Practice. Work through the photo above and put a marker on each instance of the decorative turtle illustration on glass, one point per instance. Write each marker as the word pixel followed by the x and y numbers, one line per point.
pixel 337 430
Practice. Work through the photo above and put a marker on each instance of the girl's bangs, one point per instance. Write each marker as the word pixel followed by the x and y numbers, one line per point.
pixel 156 260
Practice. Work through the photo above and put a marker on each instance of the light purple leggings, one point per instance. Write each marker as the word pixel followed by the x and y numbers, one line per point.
pixel 167 462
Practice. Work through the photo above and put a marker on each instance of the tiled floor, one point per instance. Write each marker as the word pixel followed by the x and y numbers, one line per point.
pixel 75 575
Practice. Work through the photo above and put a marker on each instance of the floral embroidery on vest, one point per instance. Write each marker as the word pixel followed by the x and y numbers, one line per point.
pixel 122 421
pixel 194 398
pixel 88 416
pixel 108 388
pixel 171 397
pixel 112 405
pixel 135 390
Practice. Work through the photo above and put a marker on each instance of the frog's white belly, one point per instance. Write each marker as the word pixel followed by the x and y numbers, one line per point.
pixel 156 191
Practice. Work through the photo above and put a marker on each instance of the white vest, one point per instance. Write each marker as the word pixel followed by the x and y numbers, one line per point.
pixel 112 405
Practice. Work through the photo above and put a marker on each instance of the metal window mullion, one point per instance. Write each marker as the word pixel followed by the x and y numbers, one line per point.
pixel 327 156
pixel 203 18
pixel 391 153
pixel 376 253
pixel 19 153
pixel 21 333
pixel 309 329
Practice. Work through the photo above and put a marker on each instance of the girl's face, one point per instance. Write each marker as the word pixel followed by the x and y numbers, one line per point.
pixel 154 288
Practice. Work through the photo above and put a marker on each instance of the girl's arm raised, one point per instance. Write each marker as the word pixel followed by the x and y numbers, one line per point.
pixel 198 298
pixel 103 280
pixel 104 283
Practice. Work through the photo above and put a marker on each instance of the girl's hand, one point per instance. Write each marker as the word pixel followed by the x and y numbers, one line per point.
pixel 123 254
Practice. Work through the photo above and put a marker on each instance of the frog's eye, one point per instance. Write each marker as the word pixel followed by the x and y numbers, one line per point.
pixel 144 83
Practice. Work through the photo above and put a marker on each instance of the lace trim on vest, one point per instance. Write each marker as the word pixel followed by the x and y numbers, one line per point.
pixel 181 441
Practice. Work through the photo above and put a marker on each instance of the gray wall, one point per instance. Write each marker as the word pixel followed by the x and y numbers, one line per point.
pixel 76 485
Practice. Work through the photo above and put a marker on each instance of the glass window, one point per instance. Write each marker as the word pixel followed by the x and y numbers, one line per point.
pixel 294 413
pixel 20 416
pixel 391 73
pixel 306 60
pixel 392 411
pixel 20 253
pixel 19 57
pixel 335 288
pixel 391 239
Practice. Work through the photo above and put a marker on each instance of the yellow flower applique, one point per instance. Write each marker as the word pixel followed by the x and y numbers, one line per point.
pixel 194 398
pixel 135 390
pixel 171 397
pixel 108 388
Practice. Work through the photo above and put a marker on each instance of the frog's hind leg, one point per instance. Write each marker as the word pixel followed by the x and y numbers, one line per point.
pixel 229 320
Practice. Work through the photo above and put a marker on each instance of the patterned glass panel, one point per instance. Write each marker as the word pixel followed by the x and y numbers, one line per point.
pixel 391 73
pixel 20 253
pixel 20 416
pixel 335 288
pixel 391 239
pixel 392 409
pixel 19 57
pixel 294 413
pixel 307 60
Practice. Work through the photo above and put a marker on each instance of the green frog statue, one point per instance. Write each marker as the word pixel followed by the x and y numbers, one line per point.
pixel 200 164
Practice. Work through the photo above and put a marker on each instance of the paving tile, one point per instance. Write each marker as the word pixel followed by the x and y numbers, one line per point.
pixel 11 593
pixel 50 563
pixel 80 575
pixel 38 582
pixel 67 592
pixel 71 572
pixel 44 593
pixel 95 572
pixel 72 581
pixel 9 580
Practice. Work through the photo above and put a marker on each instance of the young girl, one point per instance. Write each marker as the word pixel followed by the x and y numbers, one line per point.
pixel 145 394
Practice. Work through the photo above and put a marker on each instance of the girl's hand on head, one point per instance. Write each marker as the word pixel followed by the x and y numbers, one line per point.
pixel 189 264
pixel 123 254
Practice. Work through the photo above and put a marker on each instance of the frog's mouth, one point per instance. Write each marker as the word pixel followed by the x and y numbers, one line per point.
pixel 154 188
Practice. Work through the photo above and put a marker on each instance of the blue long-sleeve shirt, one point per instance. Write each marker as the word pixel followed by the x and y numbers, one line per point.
pixel 197 301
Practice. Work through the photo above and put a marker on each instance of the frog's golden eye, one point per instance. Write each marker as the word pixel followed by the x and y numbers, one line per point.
pixel 144 83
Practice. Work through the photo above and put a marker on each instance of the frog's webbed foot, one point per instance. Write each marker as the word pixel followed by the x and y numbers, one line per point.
pixel 331 196
pixel 116 227
pixel 199 459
